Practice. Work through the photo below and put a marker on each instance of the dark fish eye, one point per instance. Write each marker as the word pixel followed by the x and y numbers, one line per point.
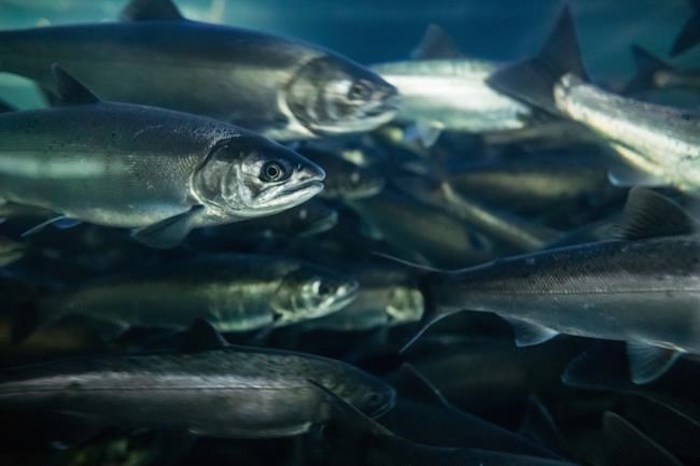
pixel 359 91
pixel 273 171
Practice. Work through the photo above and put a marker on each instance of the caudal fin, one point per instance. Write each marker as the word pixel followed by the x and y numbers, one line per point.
pixel 647 66
pixel 690 33
pixel 533 80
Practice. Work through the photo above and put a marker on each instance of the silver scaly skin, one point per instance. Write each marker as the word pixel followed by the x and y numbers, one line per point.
pixel 231 292
pixel 282 88
pixel 453 94
pixel 663 142
pixel 230 392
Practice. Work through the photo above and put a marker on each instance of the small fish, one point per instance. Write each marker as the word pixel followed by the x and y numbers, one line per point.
pixel 388 296
pixel 654 73
pixel 643 289
pixel 441 90
pixel 375 445
pixel 157 171
pixel 282 88
pixel 421 232
pixel 232 292
pixel 660 144
pixel 690 34
pixel 207 390
pixel 345 179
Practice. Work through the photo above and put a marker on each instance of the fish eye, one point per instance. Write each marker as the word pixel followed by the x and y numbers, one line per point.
pixel 359 91
pixel 273 171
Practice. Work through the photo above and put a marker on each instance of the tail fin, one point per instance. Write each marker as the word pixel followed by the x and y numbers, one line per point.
pixel 647 65
pixel 533 80
pixel 690 33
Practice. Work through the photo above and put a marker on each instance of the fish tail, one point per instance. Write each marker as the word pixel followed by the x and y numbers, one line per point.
pixel 534 79
pixel 690 33
pixel 647 65
pixel 433 312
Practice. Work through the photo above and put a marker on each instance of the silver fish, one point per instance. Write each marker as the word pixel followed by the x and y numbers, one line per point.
pixel 388 296
pixel 443 91
pixel 232 292
pixel 132 166
pixel 660 144
pixel 225 392
pixel 644 289
pixel 282 88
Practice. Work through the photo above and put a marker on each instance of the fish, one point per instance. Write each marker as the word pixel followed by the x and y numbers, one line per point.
pixel 510 232
pixel 388 296
pixel 156 171
pixel 660 144
pixel 345 179
pixel 206 389
pixel 441 90
pixel 419 231
pixel 643 288
pixel 234 293
pixel 654 73
pixel 374 444
pixel 530 184
pixel 690 33
pixel 283 88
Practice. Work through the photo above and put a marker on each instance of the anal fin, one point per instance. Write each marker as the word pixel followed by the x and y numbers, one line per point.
pixel 170 232
pixel 648 363
pixel 528 333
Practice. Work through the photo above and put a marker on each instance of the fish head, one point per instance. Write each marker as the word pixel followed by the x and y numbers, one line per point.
pixel 311 292
pixel 251 176
pixel 330 96
pixel 358 183
pixel 362 390
pixel 314 218
pixel 405 304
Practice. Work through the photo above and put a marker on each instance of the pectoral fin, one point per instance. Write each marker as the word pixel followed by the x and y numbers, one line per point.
pixel 170 232
pixel 202 336
pixel 61 222
pixel 648 363
pixel 528 333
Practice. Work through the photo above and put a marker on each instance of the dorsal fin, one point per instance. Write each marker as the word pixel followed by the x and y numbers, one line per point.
pixel 436 43
pixel 202 336
pixel 151 10
pixel 70 91
pixel 648 214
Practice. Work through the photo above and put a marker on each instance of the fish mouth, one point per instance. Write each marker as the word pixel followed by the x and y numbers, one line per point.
pixel 308 188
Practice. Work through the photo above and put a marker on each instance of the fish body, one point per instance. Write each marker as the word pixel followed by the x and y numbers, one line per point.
pixel 282 88
pixel 134 166
pixel 388 296
pixel 232 293
pixel 224 392
pixel 620 290
pixel 660 144
pixel 452 94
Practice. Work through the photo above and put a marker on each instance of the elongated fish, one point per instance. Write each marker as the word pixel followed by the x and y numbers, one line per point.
pixel 130 166
pixel 660 144
pixel 654 73
pixel 232 292
pixel 643 289
pixel 208 390
pixel 282 88
pixel 441 90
